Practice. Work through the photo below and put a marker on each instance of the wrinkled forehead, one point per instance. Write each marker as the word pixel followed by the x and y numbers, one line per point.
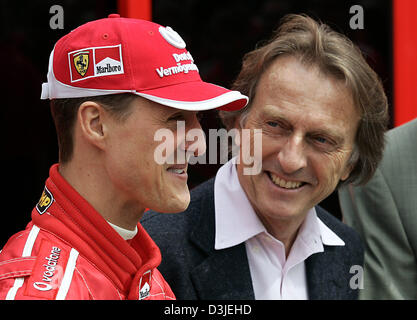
pixel 289 88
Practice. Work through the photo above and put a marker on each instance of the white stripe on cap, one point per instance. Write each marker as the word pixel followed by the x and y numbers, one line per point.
pixel 208 104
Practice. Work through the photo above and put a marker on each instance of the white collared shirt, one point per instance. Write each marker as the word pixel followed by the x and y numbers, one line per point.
pixel 273 275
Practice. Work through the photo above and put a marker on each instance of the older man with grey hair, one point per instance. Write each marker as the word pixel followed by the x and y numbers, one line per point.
pixel 322 114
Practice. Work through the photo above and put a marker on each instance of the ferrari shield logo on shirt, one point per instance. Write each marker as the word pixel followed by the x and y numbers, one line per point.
pixel 95 62
pixel 45 201
pixel 145 285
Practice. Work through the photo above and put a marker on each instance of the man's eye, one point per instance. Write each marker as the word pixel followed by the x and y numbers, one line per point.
pixel 321 140
pixel 272 123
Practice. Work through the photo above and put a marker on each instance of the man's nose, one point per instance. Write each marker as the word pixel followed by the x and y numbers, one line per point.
pixel 194 142
pixel 292 156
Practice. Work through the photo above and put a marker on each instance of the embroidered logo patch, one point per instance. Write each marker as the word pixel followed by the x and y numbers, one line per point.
pixel 172 37
pixel 45 201
pixel 81 62
pixel 95 62
pixel 145 285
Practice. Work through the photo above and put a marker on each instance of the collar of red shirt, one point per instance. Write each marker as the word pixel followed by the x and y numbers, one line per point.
pixel 70 217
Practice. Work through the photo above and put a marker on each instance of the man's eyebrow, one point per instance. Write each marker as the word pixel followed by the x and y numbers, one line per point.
pixel 338 137
pixel 273 112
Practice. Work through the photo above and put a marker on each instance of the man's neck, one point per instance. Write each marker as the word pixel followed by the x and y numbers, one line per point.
pixel 285 230
pixel 93 184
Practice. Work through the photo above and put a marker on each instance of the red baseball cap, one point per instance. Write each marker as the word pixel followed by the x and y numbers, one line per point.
pixel 120 55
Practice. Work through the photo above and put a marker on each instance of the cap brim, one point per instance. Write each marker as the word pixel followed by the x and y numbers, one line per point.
pixel 196 96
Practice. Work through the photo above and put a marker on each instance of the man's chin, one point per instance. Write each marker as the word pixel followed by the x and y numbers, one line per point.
pixel 175 205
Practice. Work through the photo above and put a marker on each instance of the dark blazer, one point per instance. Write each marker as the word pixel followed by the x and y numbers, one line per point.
pixel 195 270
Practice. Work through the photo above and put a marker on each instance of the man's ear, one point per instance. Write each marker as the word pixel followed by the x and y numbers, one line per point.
pixel 90 117
pixel 347 172
pixel 349 167
pixel 353 160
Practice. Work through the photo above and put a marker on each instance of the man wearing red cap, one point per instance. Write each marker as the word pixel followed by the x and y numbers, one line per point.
pixel 112 83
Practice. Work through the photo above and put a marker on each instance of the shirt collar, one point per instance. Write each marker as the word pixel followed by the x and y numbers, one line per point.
pixel 328 237
pixel 124 233
pixel 236 221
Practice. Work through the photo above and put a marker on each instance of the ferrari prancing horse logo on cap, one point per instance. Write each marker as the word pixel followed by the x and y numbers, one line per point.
pixel 81 62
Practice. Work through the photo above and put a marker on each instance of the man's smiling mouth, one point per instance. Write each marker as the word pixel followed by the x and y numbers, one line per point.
pixel 178 169
pixel 284 183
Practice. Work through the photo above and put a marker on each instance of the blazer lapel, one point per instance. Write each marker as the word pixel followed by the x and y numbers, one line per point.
pixel 222 274
pixel 323 275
